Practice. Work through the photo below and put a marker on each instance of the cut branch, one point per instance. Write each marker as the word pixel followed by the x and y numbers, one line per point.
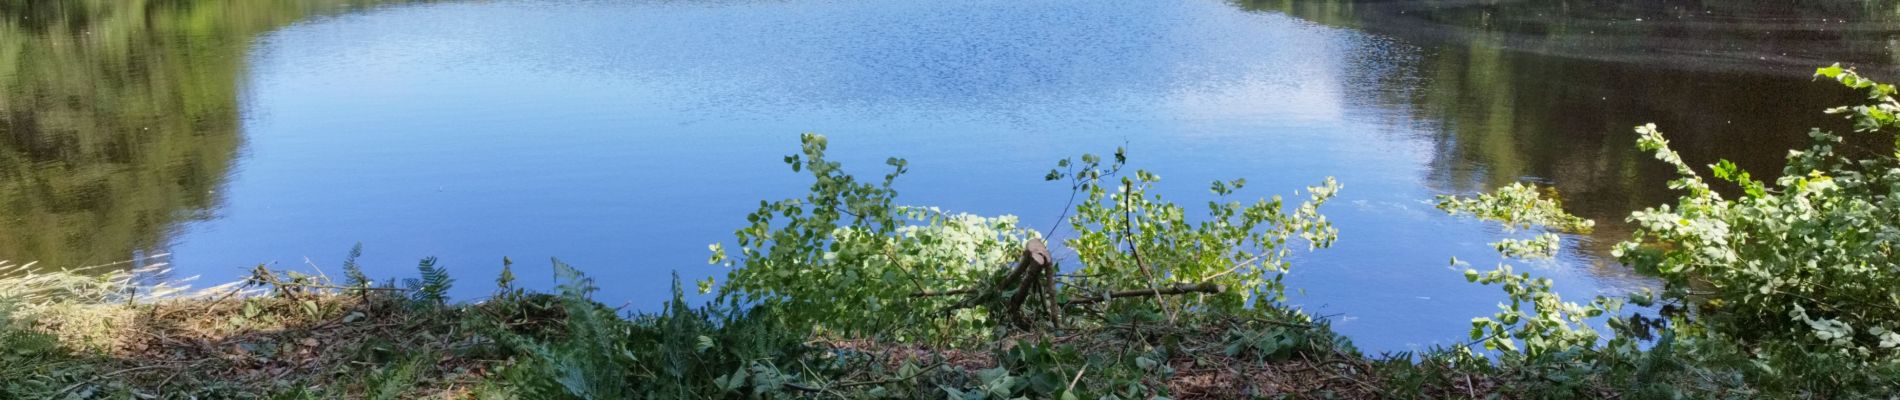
pixel 1027 279
pixel 1166 291
pixel 1035 274
pixel 951 292
pixel 1179 288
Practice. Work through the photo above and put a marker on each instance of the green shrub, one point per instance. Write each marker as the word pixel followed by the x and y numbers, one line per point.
pixel 847 259
pixel 1790 286
pixel 1807 258
pixel 1128 237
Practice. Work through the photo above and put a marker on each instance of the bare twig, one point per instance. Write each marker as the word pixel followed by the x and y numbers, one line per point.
pixel 951 292
pixel 1128 231
pixel 1236 267
pixel 1077 379
pixel 1075 187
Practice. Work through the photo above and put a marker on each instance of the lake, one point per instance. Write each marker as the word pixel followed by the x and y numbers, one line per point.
pixel 624 137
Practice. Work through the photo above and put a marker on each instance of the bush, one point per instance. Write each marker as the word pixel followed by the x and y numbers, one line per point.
pixel 1807 258
pixel 848 261
pixel 847 258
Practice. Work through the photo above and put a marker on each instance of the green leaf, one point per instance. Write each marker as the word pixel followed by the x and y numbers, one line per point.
pixel 731 382
pixel 1146 363
pixel 1830 72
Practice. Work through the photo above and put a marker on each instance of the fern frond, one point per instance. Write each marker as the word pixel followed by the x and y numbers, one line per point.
pixel 431 284
pixel 574 284
pixel 352 271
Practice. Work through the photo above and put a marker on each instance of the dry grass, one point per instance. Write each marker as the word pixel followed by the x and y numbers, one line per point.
pixel 159 339
pixel 197 343
pixel 130 281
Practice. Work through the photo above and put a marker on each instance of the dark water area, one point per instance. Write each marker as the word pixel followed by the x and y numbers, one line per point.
pixel 1784 37
pixel 1546 92
pixel 623 137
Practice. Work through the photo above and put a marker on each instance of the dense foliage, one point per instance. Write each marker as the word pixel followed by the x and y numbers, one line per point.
pixel 1808 257
pixel 1789 290
pixel 1128 237
pixel 847 259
